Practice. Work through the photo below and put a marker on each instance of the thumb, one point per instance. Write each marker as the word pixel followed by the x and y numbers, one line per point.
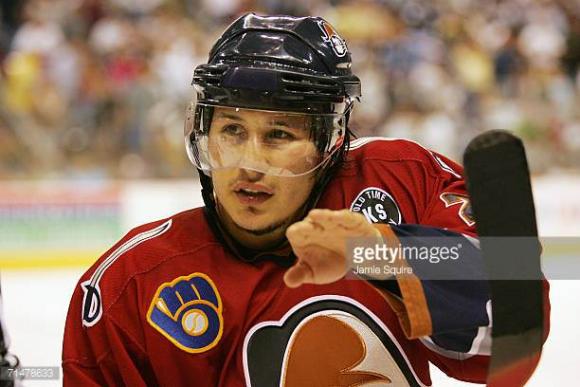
pixel 298 274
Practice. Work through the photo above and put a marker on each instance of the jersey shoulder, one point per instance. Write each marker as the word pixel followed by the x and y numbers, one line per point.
pixel 365 150
pixel 140 251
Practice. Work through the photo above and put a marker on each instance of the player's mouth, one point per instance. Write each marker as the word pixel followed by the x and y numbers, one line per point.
pixel 252 193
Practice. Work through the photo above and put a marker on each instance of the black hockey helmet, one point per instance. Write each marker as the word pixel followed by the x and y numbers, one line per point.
pixel 278 62
pixel 295 65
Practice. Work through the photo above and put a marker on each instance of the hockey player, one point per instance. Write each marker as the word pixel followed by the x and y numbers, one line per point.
pixel 251 289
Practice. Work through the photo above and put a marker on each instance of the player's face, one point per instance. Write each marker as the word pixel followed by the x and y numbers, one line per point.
pixel 256 206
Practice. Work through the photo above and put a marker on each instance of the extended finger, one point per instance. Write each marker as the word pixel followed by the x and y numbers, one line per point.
pixel 301 232
pixel 344 219
pixel 319 213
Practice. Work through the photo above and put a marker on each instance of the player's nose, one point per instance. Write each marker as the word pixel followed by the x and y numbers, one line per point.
pixel 253 151
pixel 250 175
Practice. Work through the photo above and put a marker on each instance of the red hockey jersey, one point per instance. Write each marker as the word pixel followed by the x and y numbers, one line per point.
pixel 169 305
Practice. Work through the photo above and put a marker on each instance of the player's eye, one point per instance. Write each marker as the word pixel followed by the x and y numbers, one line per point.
pixel 233 131
pixel 277 136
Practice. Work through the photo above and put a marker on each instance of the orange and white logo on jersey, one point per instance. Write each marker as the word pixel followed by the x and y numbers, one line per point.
pixel 331 37
pixel 188 312
pixel 327 341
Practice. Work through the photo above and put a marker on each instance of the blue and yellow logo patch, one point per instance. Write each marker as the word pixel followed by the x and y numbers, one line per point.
pixel 188 312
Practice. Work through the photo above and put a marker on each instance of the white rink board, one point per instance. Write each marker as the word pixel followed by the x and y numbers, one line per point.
pixel 148 201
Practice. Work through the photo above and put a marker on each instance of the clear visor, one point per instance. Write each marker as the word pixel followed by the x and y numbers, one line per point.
pixel 270 142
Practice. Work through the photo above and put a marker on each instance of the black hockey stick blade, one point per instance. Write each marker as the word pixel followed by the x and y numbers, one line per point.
pixel 498 182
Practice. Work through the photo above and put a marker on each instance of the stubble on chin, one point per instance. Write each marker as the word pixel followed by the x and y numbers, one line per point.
pixel 265 230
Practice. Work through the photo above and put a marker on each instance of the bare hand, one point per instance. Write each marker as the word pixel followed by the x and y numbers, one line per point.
pixel 319 242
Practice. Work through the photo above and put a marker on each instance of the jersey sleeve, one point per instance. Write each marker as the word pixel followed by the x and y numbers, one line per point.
pixel 104 341
pixel 446 305
pixel 103 354
pixel 451 317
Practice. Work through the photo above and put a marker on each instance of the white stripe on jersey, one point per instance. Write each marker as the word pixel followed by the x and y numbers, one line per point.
pixel 92 307
pixel 131 243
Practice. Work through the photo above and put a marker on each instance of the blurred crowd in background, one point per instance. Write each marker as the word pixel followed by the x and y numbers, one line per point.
pixel 97 89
